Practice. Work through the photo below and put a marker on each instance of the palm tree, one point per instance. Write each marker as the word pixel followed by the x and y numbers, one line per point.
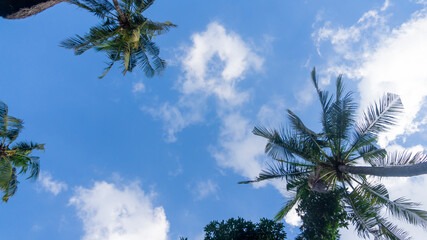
pixel 125 35
pixel 15 158
pixel 328 160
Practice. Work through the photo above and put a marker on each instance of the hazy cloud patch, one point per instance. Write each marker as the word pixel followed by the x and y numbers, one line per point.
pixel 47 183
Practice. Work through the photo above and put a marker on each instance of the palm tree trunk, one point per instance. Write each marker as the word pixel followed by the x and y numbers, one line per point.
pixel 122 18
pixel 389 171
pixel 20 9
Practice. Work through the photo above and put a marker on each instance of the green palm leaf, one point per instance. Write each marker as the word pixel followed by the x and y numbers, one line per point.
pixel 15 158
pixel 401 207
pixel 279 171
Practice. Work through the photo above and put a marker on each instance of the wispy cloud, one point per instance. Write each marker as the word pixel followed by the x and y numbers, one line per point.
pixel 111 212
pixel 47 183
pixel 138 87
pixel 203 189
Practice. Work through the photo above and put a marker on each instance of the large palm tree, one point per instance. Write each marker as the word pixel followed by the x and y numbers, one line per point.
pixel 329 160
pixel 15 157
pixel 125 35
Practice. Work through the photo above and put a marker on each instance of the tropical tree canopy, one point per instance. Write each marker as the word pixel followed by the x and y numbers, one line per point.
pixel 236 229
pixel 124 34
pixel 328 160
pixel 15 158
pixel 322 215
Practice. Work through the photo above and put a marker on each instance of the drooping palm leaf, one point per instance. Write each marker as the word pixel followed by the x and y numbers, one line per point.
pixel 15 158
pixel 287 207
pixel 280 171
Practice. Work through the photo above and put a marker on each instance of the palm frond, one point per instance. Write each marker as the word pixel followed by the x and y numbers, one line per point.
pixel 100 8
pixel 3 109
pixel 154 29
pixel 279 171
pixel 10 187
pixel 370 154
pixel 142 5
pixel 96 38
pixel 363 214
pixel 325 102
pixel 401 208
pixel 287 207
pixel 390 231
pixel 309 137
pixel 6 170
pixel 287 145
pixel 377 118
pixel 34 167
pixel 297 183
pixel 341 117
pixel 403 158
pixel 381 116
pixel 27 147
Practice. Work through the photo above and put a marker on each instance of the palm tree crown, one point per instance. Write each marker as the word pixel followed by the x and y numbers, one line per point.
pixel 15 158
pixel 326 160
pixel 124 35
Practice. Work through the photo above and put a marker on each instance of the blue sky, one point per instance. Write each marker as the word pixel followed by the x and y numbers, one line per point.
pixel 134 158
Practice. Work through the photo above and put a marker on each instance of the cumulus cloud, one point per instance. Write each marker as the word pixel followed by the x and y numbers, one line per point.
pixel 112 212
pixel 216 62
pixel 212 67
pixel 47 183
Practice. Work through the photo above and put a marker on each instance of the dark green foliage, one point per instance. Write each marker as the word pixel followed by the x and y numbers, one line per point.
pixel 15 158
pixel 125 35
pixel 238 229
pixel 322 161
pixel 322 215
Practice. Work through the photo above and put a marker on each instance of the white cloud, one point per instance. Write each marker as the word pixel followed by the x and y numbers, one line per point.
pixel 212 66
pixel 398 66
pixel 384 61
pixel 176 117
pixel 292 217
pixel 47 183
pixel 204 188
pixel 216 62
pixel 138 87
pixel 239 149
pixel 111 212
